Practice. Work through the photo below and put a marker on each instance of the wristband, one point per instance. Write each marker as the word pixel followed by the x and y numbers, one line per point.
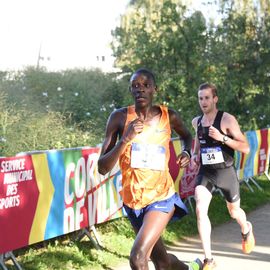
pixel 187 152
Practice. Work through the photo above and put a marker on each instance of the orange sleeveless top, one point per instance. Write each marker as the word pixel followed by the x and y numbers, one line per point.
pixel 143 185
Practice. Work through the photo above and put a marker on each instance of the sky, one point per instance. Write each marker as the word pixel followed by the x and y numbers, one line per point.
pixel 57 34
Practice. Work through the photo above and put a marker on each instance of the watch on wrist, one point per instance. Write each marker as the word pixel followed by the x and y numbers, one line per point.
pixel 225 139
pixel 187 152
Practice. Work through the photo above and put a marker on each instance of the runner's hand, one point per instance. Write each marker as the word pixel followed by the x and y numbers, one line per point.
pixel 215 134
pixel 134 127
pixel 183 160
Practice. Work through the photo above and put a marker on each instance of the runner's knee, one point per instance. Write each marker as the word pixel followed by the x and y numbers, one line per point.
pixel 138 259
pixel 201 210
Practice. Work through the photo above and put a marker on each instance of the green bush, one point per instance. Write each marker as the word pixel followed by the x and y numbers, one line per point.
pixel 23 130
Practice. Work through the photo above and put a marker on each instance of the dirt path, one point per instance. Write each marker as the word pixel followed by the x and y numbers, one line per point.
pixel 226 245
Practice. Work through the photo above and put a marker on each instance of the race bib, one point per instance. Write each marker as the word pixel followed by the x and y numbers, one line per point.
pixel 150 156
pixel 211 155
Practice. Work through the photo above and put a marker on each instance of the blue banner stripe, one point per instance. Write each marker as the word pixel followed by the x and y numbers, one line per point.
pixel 55 223
pixel 237 160
pixel 253 144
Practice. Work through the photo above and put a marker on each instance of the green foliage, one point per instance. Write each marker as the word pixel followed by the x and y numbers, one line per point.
pixel 165 37
pixel 185 49
pixel 86 97
pixel 23 130
pixel 43 110
pixel 160 35
pixel 237 57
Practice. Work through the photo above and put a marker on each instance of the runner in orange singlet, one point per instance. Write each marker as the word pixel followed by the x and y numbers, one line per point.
pixel 138 136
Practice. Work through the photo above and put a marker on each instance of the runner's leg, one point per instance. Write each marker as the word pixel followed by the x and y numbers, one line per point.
pixel 248 239
pixel 160 255
pixel 203 198
pixel 239 215
pixel 148 243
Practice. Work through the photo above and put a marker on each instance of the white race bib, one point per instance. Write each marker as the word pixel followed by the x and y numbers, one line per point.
pixel 150 156
pixel 211 155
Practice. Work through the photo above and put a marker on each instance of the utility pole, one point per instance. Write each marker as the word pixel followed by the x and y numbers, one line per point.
pixel 39 56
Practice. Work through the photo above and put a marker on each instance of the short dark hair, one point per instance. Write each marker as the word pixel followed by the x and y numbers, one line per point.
pixel 210 86
pixel 147 72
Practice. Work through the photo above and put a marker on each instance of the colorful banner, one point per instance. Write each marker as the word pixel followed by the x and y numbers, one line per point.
pixel 18 200
pixel 50 193
pixel 184 179
pixel 44 195
pixel 257 161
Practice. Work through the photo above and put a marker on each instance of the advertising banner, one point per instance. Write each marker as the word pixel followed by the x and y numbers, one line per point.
pixel 44 195
pixel 184 178
pixel 18 201
pixel 257 161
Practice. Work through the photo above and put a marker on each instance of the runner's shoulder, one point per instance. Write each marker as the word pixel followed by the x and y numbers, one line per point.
pixel 195 121
pixel 117 118
pixel 119 114
pixel 228 118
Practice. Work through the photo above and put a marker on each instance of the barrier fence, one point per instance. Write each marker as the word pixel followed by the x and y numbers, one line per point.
pixel 46 194
pixel 257 161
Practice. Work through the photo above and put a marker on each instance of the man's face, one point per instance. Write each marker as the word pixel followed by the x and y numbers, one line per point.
pixel 142 89
pixel 206 100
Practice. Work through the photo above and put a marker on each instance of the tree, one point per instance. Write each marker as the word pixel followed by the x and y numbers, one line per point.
pixel 165 37
pixel 185 49
pixel 240 54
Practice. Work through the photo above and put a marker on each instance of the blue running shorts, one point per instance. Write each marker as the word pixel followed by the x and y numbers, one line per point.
pixel 136 215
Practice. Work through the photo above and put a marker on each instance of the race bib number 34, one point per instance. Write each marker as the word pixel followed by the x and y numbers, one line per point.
pixel 211 155
pixel 150 156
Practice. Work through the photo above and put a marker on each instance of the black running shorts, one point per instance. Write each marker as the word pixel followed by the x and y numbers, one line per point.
pixel 225 179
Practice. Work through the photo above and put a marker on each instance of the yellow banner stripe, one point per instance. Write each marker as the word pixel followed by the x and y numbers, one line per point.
pixel 178 148
pixel 46 191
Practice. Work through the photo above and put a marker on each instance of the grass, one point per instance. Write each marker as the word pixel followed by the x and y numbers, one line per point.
pixel 117 238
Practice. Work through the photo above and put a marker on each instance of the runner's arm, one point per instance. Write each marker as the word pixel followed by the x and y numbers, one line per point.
pixel 184 134
pixel 111 149
pixel 238 141
pixel 196 149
